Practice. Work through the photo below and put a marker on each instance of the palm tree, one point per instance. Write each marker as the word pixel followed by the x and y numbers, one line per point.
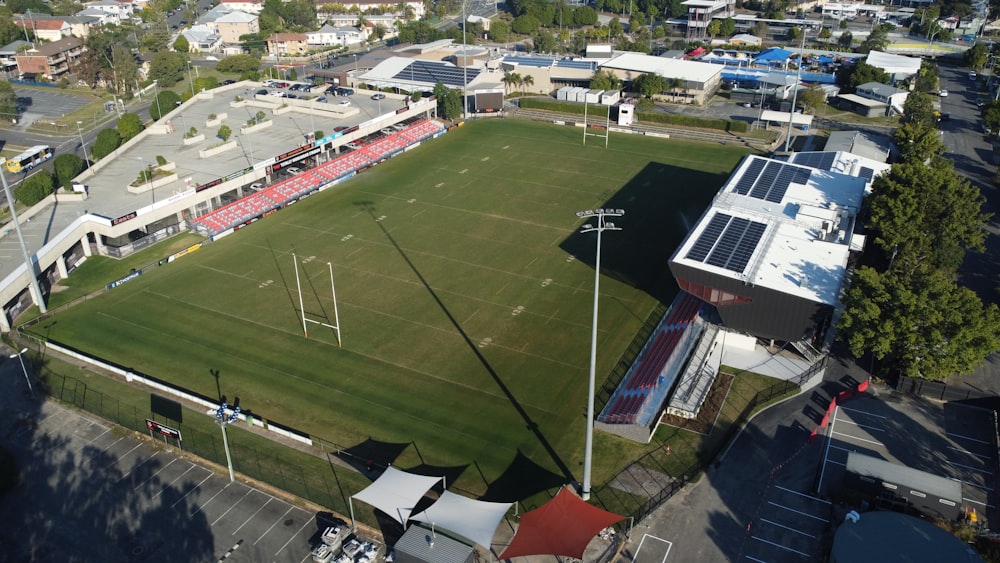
pixel 528 80
pixel 513 79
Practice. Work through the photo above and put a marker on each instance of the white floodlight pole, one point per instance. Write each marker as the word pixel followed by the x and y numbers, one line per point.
pixel 229 459
pixel 298 285
pixel 85 156
pixel 25 371
pixel 224 421
pixel 336 314
pixel 600 227
pixel 465 64
pixel 36 291
pixel 795 90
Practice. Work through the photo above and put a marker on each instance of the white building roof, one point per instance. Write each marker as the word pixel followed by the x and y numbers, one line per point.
pixel 781 226
pixel 236 17
pixel 713 4
pixel 670 68
pixel 894 64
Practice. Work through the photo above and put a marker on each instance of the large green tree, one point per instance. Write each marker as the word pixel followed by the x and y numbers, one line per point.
pixel 8 101
pixel 919 109
pixel 238 64
pixel 129 125
pixel 34 188
pixel 918 141
pixel 164 103
pixel 67 167
pixel 649 84
pixel 167 68
pixel 850 77
pixel 107 141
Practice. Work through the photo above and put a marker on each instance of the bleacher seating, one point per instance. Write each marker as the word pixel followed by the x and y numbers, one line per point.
pixel 625 409
pixel 287 190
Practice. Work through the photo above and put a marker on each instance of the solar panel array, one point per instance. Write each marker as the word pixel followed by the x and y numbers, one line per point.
pixel 727 242
pixel 433 72
pixel 818 160
pixel 769 181
pixel 577 63
pixel 541 62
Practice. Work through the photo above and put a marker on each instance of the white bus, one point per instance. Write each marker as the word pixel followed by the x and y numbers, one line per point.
pixel 30 158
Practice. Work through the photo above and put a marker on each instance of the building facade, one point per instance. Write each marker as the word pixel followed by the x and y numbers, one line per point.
pixel 51 60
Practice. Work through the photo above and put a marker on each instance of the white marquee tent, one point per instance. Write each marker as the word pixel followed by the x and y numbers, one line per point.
pixel 898 66
pixel 475 520
pixel 396 493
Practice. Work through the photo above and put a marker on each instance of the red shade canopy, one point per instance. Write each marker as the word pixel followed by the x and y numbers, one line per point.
pixel 562 526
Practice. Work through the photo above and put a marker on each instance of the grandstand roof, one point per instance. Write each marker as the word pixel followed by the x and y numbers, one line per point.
pixel 408 73
pixel 778 225
pixel 669 68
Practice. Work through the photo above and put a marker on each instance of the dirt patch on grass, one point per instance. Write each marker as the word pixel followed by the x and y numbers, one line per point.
pixel 709 410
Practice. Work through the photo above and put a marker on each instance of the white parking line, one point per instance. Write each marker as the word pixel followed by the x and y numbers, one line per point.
pixel 977 502
pixel 970 453
pixel 969 467
pixel 826 452
pixel 295 535
pixel 803 554
pixel 643 540
pixel 972 484
pixel 858 438
pixel 154 474
pixel 252 516
pixel 137 446
pixel 273 525
pixel 866 413
pixel 806 514
pixel 129 472
pixel 810 497
pixel 843 449
pixel 866 427
pixel 790 529
pixel 232 507
pixel 179 477
pixel 193 489
pixel 755 559
pixel 968 438
pixel 836 462
pixel 207 502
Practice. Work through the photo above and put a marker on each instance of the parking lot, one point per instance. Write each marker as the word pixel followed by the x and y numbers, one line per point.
pixel 39 104
pixel 789 527
pixel 93 492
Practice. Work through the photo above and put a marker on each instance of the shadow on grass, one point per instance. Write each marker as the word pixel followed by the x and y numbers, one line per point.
pixel 531 425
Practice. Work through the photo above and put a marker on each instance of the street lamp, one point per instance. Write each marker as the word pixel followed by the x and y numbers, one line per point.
pixel 795 90
pixel 24 369
pixel 190 79
pixel 225 420
pixel 85 157
pixel 36 291
pixel 600 226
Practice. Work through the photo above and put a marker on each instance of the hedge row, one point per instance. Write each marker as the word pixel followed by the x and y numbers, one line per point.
pixel 652 117
pixel 694 121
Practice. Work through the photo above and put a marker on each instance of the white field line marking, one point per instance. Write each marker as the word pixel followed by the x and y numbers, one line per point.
pixel 155 474
pixel 860 439
pixel 866 427
pixel 826 454
pixel 781 546
pixel 644 536
pixel 273 525
pixel 790 529
pixel 193 489
pixel 866 413
pixel 969 439
pixel 252 516
pixel 806 514
pixel 970 453
pixel 810 497
pixel 970 468
pixel 232 507
pixel 295 535
pixel 179 477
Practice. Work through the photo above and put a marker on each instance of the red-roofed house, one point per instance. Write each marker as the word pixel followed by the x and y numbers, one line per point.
pixel 288 43
pixel 48 30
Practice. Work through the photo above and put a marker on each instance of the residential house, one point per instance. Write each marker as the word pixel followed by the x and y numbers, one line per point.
pixel 52 60
pixel 388 21
pixel 202 39
pixel 246 6
pixel 288 44
pixel 44 29
pixel 873 99
pixel 121 10
pixel 329 35
pixel 414 7
pixel 7 53
pixel 702 12
pixel 230 27
pixel 101 17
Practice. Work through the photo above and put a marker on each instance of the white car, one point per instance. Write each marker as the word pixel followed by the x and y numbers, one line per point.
pixel 943 93
pixel 211 58
pixel 344 103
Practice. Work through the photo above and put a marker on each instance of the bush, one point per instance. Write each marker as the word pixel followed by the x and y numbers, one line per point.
pixel 190 133
pixel 318 134
pixel 35 188
pixel 107 141
pixel 239 63
pixel 129 125
pixel 160 160
pixel 165 102
pixel 225 132
pixel 693 121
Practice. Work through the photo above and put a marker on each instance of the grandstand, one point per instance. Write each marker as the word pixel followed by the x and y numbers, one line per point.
pixel 273 197
pixel 649 381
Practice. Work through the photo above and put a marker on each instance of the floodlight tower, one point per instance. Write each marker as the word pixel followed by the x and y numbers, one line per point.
pixel 33 287
pixel 600 225
pixel 225 420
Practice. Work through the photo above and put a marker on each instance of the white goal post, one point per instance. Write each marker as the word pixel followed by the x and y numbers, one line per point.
pixel 305 320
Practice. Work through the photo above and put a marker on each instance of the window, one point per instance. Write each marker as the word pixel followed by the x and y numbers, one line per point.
pixel 714 296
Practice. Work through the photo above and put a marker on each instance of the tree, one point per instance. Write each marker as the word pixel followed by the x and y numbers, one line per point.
pixel 918 141
pixel 181 44
pixel 648 84
pixel 824 34
pixel 991 115
pixel 845 40
pixel 205 83
pixel 129 125
pixel 34 188
pixel 849 77
pixel 499 31
pixel 452 104
pixel 919 109
pixel 812 98
pixel 510 80
pixel 68 166
pixel 525 24
pixel 727 27
pixel 225 132
pixel 605 80
pixel 793 33
pixel 379 31
pixel 976 57
pixel 544 42
pixel 107 141
pixel 238 64
pixel 713 28
pixel 877 40
pixel 164 102
pixel 167 68
pixel 8 101
pixel 615 28
pixel 527 81
pixel 584 15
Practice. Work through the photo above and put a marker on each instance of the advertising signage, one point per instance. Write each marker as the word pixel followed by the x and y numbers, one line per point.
pixel 218 181
pixel 167 431
pixel 299 155
pixel 125 217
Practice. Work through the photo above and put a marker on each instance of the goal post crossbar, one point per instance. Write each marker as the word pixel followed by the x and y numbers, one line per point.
pixel 333 292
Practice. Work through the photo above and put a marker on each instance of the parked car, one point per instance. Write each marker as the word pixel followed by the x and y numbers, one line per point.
pixel 345 91
pixel 269 83
pixel 344 103
pixel 281 85
pixel 293 170
pixel 256 186
pixel 228 82
pixel 943 93
pixel 378 96
pixel 296 87
pixel 262 92
pixel 321 99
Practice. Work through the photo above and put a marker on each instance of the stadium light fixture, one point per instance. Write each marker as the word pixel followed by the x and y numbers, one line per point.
pixel 24 370
pixel 599 226
pixel 82 144
pixel 33 287
pixel 795 90
pixel 224 420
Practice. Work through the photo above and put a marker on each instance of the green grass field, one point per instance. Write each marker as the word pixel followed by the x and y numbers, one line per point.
pixel 464 292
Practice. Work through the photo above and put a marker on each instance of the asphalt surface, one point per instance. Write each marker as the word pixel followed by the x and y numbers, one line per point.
pixel 95 492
